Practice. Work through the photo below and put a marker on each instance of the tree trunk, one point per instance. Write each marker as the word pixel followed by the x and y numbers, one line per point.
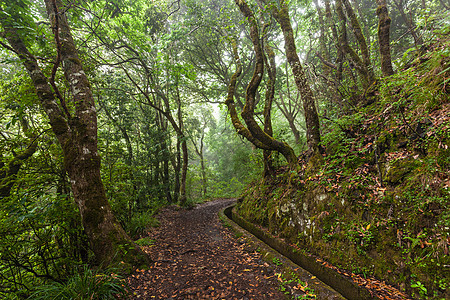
pixel 162 124
pixel 361 41
pixel 176 163
pixel 384 24
pixel 253 131
pixel 322 38
pixel 269 60
pixel 202 165
pixel 184 169
pixel 312 118
pixel 240 128
pixel 199 149
pixel 78 137
pixel 339 50
pixel 294 130
pixel 347 49
pixel 184 149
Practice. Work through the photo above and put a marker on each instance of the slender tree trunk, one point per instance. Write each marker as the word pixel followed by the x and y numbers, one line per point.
pixel 78 137
pixel 347 49
pixel 269 60
pixel 339 50
pixel 166 173
pixel 322 38
pixel 361 41
pixel 365 27
pixel 294 130
pixel 384 24
pixel 180 134
pixel 446 6
pixel 184 169
pixel 237 124
pixel 129 158
pixel 202 165
pixel 162 124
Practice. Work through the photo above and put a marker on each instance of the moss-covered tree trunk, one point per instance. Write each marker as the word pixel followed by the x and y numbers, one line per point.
pixel 77 134
pixel 269 60
pixel 199 149
pixel 384 25
pixel 356 27
pixel 203 166
pixel 281 15
pixel 237 124
pixel 161 122
pixel 252 131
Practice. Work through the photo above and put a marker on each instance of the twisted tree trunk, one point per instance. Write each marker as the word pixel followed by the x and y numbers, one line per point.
pixel 253 132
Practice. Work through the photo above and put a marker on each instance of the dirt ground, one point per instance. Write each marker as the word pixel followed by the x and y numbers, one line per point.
pixel 196 257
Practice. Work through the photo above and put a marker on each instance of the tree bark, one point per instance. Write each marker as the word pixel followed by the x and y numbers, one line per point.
pixel 446 6
pixel 339 50
pixel 184 148
pixel 269 60
pixel 253 132
pixel 347 49
pixel 202 165
pixel 77 135
pixel 290 117
pixel 229 102
pixel 361 41
pixel 281 15
pixel 384 25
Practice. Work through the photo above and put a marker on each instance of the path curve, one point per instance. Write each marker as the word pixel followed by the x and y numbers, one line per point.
pixel 196 257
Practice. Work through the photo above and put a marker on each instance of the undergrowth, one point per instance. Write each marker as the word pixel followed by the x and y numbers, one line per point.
pixel 87 284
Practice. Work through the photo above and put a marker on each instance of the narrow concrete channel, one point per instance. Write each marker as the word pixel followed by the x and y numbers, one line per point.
pixel 326 282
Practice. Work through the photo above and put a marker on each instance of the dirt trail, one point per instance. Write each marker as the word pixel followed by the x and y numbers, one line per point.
pixel 196 257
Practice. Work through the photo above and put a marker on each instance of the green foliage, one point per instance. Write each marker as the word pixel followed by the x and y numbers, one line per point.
pixel 422 290
pixel 141 52
pixel 140 223
pixel 41 236
pixel 87 284
pixel 19 15
pixel 146 241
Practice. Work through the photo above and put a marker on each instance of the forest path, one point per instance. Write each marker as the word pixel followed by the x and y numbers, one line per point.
pixel 196 257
